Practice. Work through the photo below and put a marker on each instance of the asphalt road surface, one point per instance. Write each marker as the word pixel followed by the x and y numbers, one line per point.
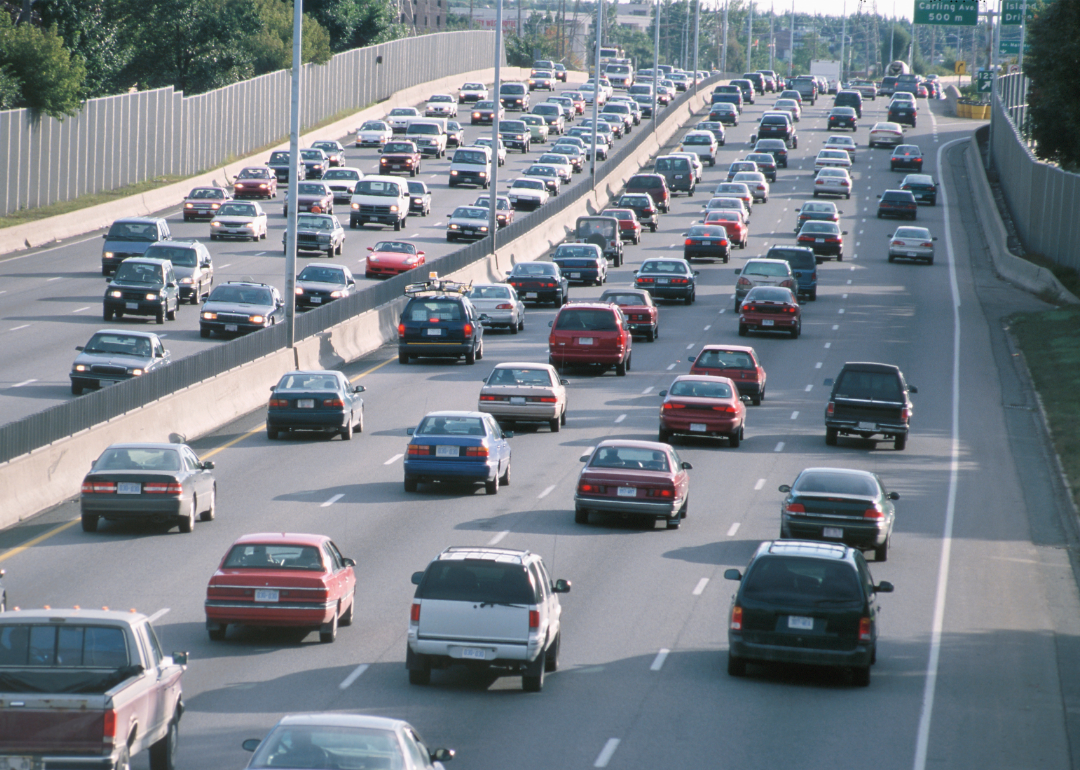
pixel 973 641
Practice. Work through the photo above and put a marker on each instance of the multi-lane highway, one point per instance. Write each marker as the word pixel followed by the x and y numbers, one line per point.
pixel 974 641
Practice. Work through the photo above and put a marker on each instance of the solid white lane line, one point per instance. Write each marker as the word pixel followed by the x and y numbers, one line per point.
pixel 795 415
pixel 393 459
pixel 828 345
pixel 759 485
pixel 331 501
pixel 499 537
pixel 353 676
pixel 16 328
pixel 620 418
pixel 853 268
pixel 24 382
pixel 647 391
pixel 606 752
pixel 158 615
pixel 722 311
pixel 658 662
pixel 86 308
pixel 779 446
pixel 547 491
pixel 733 529
pixel 700 587
pixel 670 367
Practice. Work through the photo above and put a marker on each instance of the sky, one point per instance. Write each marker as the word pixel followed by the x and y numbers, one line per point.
pixel 901 8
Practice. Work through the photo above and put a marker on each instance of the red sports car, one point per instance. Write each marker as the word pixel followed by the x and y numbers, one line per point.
pixel 732 221
pixel 738 363
pixel 282 579
pixel 255 182
pixel 634 478
pixel 697 405
pixel 770 309
pixel 642 314
pixel 392 258
pixel 629 227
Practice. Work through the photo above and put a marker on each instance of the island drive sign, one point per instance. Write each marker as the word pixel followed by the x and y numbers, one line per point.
pixel 947 12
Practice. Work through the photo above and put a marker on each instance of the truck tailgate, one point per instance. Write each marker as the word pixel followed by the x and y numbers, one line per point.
pixel 859 410
pixel 52 725
pixel 473 622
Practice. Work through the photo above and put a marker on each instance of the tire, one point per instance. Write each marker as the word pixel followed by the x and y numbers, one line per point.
pixel 187 525
pixel 533 683
pixel 735 438
pixel 161 316
pixel 756 400
pixel 813 295
pixel 403 358
pixel 521 324
pixel 581 515
pixel 89 523
pixel 735 666
pixel 551 655
pixel 420 676
pixel 663 436
pixel 107 314
pixel 347 431
pixel 470 357
pixel 830 436
pixel 171 314
pixel 689 299
pixel 860 676
pixel 328 631
pixel 163 753
pixel 330 252
pixel 554 425
pixel 492 487
pixel 209 513
pixel 881 552
pixel 650 335
pixel 892 258
pixel 620 368
pixel 410 484
pixel 796 332
pixel 217 632
pixel 504 480
pixel 899 443
pixel 397 224
pixel 743 331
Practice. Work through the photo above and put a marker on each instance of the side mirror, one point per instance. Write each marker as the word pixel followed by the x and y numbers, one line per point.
pixel 843 232
pixel 934 238
pixel 912 389
pixel 687 466
pixel 784 487
pixel 179 658
pixel 208 465
pixel 561 586
pixel 417 578
pixel 563 381
pixel 738 270
pixel 828 382
pixel 662 394
pixel 508 434
pixel 732 574
pixel 409 431
pixel 894 495
pixel 359 389
pixel 371 248
pixel 250 744
pixel 551 323
pixel 165 354
pixel 884 587
pixel 105 236
pixel 442 755
pixel 350 562
pixel 879 197
pixel 79 347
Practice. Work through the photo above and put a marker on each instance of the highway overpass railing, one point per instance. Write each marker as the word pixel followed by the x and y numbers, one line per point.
pixel 117 141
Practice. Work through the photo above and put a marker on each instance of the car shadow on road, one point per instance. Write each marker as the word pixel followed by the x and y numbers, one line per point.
pixel 560 521
pixel 732 553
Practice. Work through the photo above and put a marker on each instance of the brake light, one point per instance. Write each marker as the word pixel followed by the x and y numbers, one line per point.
pixel 99 487
pixel 476 451
pixel 468 329
pixel 905 414
pixel 490 398
pixel 787 283
pixel 333 402
pixel 401 330
pixel 414 614
pixel 504 306
pixel 928 245
pixel 644 279
pixel 279 402
pixel 689 242
pixel 163 488
pixel 660 493
pixel 534 619
pixel 419 449
pixel 108 727
pixel 547 400
pixel 680 280
pixel 748 308
pixel 830 409
pixel 789 309
pixel 795 508
pixel 736 618
pixel 820 181
pixel 669 406
pixel 874 513
pixel 899 243
pixel 865 630
pixel 724 409
pixel 595 488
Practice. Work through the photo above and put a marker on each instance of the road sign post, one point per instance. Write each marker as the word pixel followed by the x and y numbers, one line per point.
pixel 947 12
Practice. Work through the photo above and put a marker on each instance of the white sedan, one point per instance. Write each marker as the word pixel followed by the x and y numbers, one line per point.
pixel 374 133
pixel 832 181
pixel 525 392
pixel 528 193
pixel 239 219
pixel 789 106
pixel 701 143
pixel 832 159
pixel 755 180
pixel 886 135
pixel 441 106
pixel 560 162
pixel 485 141
pixel 845 143
pixel 472 92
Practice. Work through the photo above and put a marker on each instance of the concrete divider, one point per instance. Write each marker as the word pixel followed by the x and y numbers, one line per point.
pixel 53 474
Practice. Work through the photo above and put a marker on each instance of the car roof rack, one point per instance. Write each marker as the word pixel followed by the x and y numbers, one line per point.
pixel 436 285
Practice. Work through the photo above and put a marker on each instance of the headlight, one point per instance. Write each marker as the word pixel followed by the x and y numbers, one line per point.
pixel 239 186
pixel 209 316
pixel 215 205
pixel 355 205
pixel 192 205
pixel 135 372
pixel 109 255
pixel 373 259
pixel 453 172
pixel 256 319
pixel 152 296
pixel 453 227
pixel 115 293
pixel 483 229
pixel 299 290
pixel 482 173
pixel 248 225
pixel 82 368
pixel 263 186
pixel 337 294
pixel 393 208
pixel 212 224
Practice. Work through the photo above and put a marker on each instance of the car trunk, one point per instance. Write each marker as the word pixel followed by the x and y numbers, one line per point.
pixel 306 402
pixel 526 284
pixel 835 506
pixel 866 410
pixel 263 586
pixel 626 484
pixel 585 341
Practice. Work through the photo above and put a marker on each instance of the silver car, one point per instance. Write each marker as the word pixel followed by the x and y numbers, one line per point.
pixel 763 272
pixel 113 355
pixel 832 181
pixel 525 392
pixel 912 243
pixel 500 303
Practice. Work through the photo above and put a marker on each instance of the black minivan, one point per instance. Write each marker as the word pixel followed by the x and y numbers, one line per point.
pixel 803 265
pixel 852 99
pixel 677 172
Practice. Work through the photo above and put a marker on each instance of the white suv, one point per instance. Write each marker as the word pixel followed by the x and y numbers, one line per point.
pixel 492 607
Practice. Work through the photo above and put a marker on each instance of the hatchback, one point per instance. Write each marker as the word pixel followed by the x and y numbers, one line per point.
pixel 595 334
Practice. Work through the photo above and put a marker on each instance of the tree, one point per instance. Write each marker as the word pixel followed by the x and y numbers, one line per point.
pixel 50 78
pixel 356 23
pixel 1054 99
pixel 10 89
pixel 91 30
pixel 271 46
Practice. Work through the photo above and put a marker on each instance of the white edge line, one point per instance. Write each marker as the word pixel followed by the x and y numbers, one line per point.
pixel 158 615
pixel 393 459
pixel 658 662
pixel 353 676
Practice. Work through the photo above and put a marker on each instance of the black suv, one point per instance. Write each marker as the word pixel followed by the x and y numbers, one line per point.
pixel 439 321
pixel 143 286
pixel 806 603
pixel 237 307
pixel 852 99
pixel 803 265
pixel 777 125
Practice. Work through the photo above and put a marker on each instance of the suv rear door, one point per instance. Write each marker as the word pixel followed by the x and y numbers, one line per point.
pixel 476 601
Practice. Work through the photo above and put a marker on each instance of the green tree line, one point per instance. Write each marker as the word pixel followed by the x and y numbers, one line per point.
pixel 56 53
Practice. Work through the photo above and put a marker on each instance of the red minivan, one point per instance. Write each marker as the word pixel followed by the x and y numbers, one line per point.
pixel 737 362
pixel 590 333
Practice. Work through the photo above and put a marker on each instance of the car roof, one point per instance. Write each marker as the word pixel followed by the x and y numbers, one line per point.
pixel 702 378
pixel 655 445
pixel 284 538
pixel 343 720
pixel 132 332
pixel 768 261
pixel 72 614
pixel 739 348
pixel 805 548
pixel 145 445
pixel 870 366
pixel 848 471
pixel 149 260
pixel 489 553
pixel 139 220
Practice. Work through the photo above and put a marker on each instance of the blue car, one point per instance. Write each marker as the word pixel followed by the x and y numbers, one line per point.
pixel 466 447
pixel 803 265
pixel 322 401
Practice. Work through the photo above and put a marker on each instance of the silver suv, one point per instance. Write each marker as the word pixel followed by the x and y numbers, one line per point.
pixel 494 608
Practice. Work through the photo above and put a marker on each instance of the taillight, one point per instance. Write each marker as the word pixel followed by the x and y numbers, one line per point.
pixel 108 728
pixel 899 243
pixel 419 449
pixel 667 493
pixel 534 619
pixel 905 414
pixel 490 398
pixel 504 306
pixel 680 280
pixel 748 308
pixel 688 242
pixel 830 409
pixel 163 488
pixel 874 513
pixel 865 633
pixel 643 279
pixel 547 400
pixel 669 406
pixel 99 487
pixel 928 245
pixel 736 618
pixel 476 451
pixel 401 330
pixel 333 402
pixel 414 615
pixel 468 329
pixel 279 402
pixel 795 508
pixel 595 488
pixel 724 409
pixel 787 283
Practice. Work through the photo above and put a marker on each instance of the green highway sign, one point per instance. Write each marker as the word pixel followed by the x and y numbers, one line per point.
pixel 1012 47
pixel 985 80
pixel 947 12
pixel 1012 12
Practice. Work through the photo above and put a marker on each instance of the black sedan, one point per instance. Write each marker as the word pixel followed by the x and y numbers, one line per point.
pixel 581 263
pixel 319 285
pixel 906 157
pixel 842 117
pixel 321 401
pixel 840 505
pixel 539 282
pixel 825 239
pixel 667 279
pixel 111 356
pixel 237 307
pixel 897 203
pixel 817 211
pixel 706 242
pixel 158 483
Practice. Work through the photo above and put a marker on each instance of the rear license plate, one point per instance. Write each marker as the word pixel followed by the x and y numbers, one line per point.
pixel 912 254
pixel 132 305
pixel 446 450
pixel 316 300
pixel 661 280
pixel 473 652
pixel 575 275
pixel 833 532
pixel 767 322
pixel 800 623
pixel 16 763
pixel 517 399
pixel 706 243
pixel 697 427
pixel 867 426
pixel 433 332
pixel 266 595
pixel 129 488
pixel 305 403
pixel 530 295
pixel 585 341
pixel 627 492
pixel 819 240
pixel 230 327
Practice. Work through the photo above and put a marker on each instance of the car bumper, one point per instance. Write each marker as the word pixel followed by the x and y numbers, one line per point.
pixel 222 327
pixel 897 212
pixel 435 349
pixel 826 249
pixel 234 232
pixel 699 425
pixel 450 470
pixel 201 213
pixel 548 295
pixel 281 614
pixel 582 276
pixel 295 420
pixel 381 219
pixel 464 177
pixel 705 252
pixel 867 429
pixel 562 357
pixel 499 318
pixel 495 653
pixel 911 254
pixel 90 380
pixel 252 192
pixel 664 510
pixel 668 292
pixel 136 307
pixel 135 507
pixel 527 412
pixel 778 653
pixel 383 270
pixel 769 323
pixel 812 528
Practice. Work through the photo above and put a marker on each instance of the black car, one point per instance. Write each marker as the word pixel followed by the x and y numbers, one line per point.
pixel 852 99
pixel 825 239
pixel 775 147
pixel 419 198
pixel 897 203
pixel 281 165
pixel 322 401
pixel 643 207
pixel 766 164
pixel 315 161
pixel 706 242
pixel 902 112
pixel 539 282
pixel 319 285
pixel 816 211
pixel 724 111
pixel 839 505
pixel 922 186
pixel 803 264
pixel 237 307
pixel 777 125
pixel 455 134
pixel 667 279
pixel 581 263
pixel 142 286
pixel 869 399
pixel 842 117
pixel 318 232
pixel 906 156
pixel 805 603
pixel 439 321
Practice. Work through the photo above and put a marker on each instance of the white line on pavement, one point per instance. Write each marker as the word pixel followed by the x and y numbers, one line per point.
pixel 849 280
pixel 708 327
pixel 647 391
pixel 353 676
pixel 841 311
pixel 620 418
pixel 658 662
pixel 670 367
pixel 331 501
pixel 16 328
pixel 606 752
pixel 227 264
pixel 759 484
pixel 393 459
pixel 700 587
pixel 843 296
pixel 835 327
pixel 158 615
pixel 733 529
pixel 722 311
pixel 24 382
pixel 547 491
pixel 690 346
pixel 817 365
pixel 499 537
pixel 828 345
pixel 809 388
pixel 86 308
pixel 57 278
pixel 779 446
pixel 795 415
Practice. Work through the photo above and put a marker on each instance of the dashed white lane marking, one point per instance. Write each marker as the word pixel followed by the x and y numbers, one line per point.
pixel 159 615
pixel 657 664
pixel 86 308
pixel 57 278
pixel 647 391
pixel 498 537
pixel 393 459
pixel 606 753
pixel 620 418
pixel 840 311
pixel 828 345
pixel 721 311
pixel 3 291
pixel 700 587
pixel 353 676
pixel 835 327
pixel 16 328
pixel 24 382
pixel 670 367
pixel 779 446
pixel 227 264
pixel 809 388
pixel 690 346
pixel 853 268
pixel 795 415
pixel 759 485
pixel 708 327
pixel 733 529
pixel 438 224
pixel 843 296
pixel 547 491
pixel 849 280
pixel 817 365
pixel 331 501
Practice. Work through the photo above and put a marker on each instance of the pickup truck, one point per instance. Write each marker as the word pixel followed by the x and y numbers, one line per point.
pixel 86 689
pixel 429 136
pixel 400 156
pixel 869 399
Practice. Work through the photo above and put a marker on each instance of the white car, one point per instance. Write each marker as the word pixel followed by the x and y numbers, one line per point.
pixel 239 219
pixel 374 133
pixel 561 164
pixel 912 243
pixel 739 190
pixel 701 143
pixel 727 202
pixel 528 193
pixel 832 181
pixel 441 106
pixel 845 143
pixel 503 308
pixel 832 159
pixel 886 134
pixel 517 391
pixel 485 141
pixel 548 174
pixel 473 92
pixel 400 117
pixel 756 181
pixel 789 106
pixel 342 181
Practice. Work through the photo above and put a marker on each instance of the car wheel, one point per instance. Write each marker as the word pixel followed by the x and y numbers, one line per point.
pixel 492 487
pixel 535 682
pixel 735 666
pixel 860 676
pixel 216 631
pixel 403 358
pixel 881 552
pixel 410 484
pixel 271 435
pixel 892 258
pixel 89 523
pixel 187 524
pixel 163 753
pixel 796 332
pixel 899 443
pixel 349 614
pixel 830 436
pixel 663 436
pixel 328 631
pixel 743 330
pixel 650 335
pixel 554 424
pixel 171 314
pixel 209 513
pixel 620 368
pixel 347 431
pixel 470 357
pixel 551 656
pixel 813 295
pixel 581 515
pixel 161 316
pixel 397 224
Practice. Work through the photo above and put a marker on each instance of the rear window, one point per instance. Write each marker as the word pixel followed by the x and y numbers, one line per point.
pixel 66 646
pixel 138 459
pixel 801 581
pixel 258 556
pixel 434 309
pixel 587 319
pixel 672 164
pixel 797 258
pixel 869 386
pixel 836 483
pixel 700 389
pixel 630 457
pixel 479 581
pixel 643 182
pixel 725 359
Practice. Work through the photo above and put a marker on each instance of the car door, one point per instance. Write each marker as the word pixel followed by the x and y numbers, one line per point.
pixel 171 287
pixel 159 353
pixel 336 580
pixel 206 265
pixel 347 395
pixel 201 480
pixel 550 607
pixel 682 478
pixel 499 442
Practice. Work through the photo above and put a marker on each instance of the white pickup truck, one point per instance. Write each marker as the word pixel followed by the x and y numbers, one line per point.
pixel 429 135
pixel 383 200
pixel 493 608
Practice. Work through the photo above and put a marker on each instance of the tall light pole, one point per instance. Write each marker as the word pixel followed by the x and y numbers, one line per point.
pixel 843 39
pixel 294 157
pixel 723 51
pixel 772 37
pixel 750 37
pixel 596 87
pixel 791 44
pixel 1023 34
pixel 493 198
pixel 892 33
pixel 656 62
pixel 995 42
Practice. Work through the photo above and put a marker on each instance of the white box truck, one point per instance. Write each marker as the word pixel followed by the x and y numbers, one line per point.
pixel 828 69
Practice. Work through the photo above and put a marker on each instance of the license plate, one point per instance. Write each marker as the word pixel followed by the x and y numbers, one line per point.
pixel 697 427
pixel 819 240
pixel 767 322
pixel 530 295
pixel 706 243
pixel 575 275
pixel 397 165
pixel 132 305
pixel 316 300
pixel 627 492
pixel 446 450
pixel 129 488
pixel 912 254
pixel 661 280
pixel 230 327
pixel 473 652
pixel 867 426
pixel 517 399
pixel 16 763
pixel 585 341
pixel 833 532
pixel 266 595
pixel 305 403
pixel 433 332
pixel 800 623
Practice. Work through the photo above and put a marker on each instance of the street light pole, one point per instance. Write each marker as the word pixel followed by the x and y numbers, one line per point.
pixel 596 87
pixel 294 156
pixel 750 37
pixel 697 29
pixel 723 51
pixel 843 39
pixel 493 198
pixel 656 63
pixel 892 32
pixel 791 44
pixel 1023 33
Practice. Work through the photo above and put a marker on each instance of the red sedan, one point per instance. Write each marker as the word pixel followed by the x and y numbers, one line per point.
pixel 770 309
pixel 732 221
pixel 629 227
pixel 255 182
pixel 634 478
pixel 738 363
pixel 642 314
pixel 282 579
pixel 698 405
pixel 204 202
pixel 389 258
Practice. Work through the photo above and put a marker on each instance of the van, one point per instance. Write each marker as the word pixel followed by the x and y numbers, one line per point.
pixel 429 134
pixel 757 79
pixel 653 185
pixel 383 200
pixel 131 238
pixel 590 333
pixel 807 88
pixel 677 172
pixel 471 165
pixel 514 96
pixel 852 99
pixel 803 264
pixel 516 135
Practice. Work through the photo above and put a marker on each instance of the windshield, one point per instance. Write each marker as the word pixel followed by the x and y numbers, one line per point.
pixel 374 125
pixel 630 457
pixel 326 747
pixel 138 459
pixel 512 90
pixel 700 389
pixel 529 184
pixel 311 189
pixel 399 246
pixel 489 292
pixel 390 147
pixel 311 154
pixel 470 157
pixel 575 251
pixel 237 210
pixel 377 188
pixel 424 128
pixel 403 111
pixel 628 299
pixel 322 275
pixel 314 223
pixel 469 213
pixel 139 272
pixel 440 98
pixel 206 193
pixel 118 344
pixel 586 319
pixel 178 255
pixel 341 173
pixel 133 231
pixel 243 295
pixel 254 173
pixel 259 556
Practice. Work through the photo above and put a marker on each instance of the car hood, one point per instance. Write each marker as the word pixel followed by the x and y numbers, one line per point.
pixel 112 358
pixel 237 307
pixel 306 231
pixel 147 287
pixel 252 182
pixel 525 192
pixel 128 247
pixel 321 286
pixel 400 256
pixel 231 219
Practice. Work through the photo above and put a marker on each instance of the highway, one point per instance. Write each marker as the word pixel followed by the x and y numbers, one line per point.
pixel 971 657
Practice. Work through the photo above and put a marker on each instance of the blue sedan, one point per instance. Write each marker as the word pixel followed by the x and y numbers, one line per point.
pixel 318 400
pixel 458 447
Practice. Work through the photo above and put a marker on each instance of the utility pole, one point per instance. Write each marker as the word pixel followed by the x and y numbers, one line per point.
pixel 697 29
pixel 995 41
pixel 294 161
pixel 493 198
pixel 1023 33
pixel 723 51
pixel 750 37
pixel 791 43
pixel 656 62
pixel 892 33
pixel 843 39
pixel 772 35
pixel 685 37
pixel 596 87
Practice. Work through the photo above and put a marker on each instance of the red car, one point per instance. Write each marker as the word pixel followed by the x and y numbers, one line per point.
pixel 642 314
pixel 255 182
pixel 389 258
pixel 770 309
pixel 738 363
pixel 203 202
pixel 732 221
pixel 401 157
pixel 634 478
pixel 698 405
pixel 629 227
pixel 654 185
pixel 282 579
pixel 590 333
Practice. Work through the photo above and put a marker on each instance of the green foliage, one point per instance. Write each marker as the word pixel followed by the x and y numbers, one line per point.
pixel 1054 98
pixel 356 23
pixel 270 47
pixel 89 28
pixel 10 89
pixel 50 78
pixel 897 41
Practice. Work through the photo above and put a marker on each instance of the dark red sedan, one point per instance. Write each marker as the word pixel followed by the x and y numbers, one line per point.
pixel 629 227
pixel 255 182
pixel 634 478
pixel 642 314
pixel 282 579
pixel 770 309
pixel 738 363
pixel 697 405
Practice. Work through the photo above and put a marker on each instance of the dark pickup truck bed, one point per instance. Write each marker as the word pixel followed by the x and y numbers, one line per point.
pixel 867 400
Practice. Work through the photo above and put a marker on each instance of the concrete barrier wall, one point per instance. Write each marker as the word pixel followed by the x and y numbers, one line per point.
pixel 49 476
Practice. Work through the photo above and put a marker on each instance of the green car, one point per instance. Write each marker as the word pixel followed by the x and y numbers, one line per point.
pixel 537 127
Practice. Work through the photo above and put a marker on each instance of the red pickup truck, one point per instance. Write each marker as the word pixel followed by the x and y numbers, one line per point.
pixel 86 689
pixel 400 157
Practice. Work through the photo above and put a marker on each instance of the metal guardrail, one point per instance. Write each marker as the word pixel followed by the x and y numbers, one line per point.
pixel 57 422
